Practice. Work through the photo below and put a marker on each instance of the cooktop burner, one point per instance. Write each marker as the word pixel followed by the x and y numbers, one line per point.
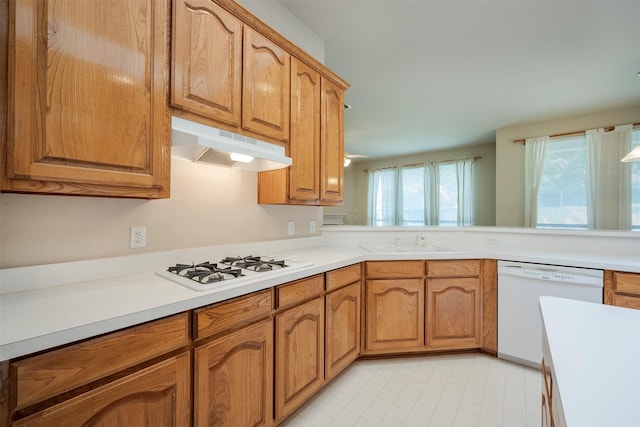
pixel 230 270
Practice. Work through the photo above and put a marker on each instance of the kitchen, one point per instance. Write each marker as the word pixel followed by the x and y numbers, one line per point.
pixel 94 228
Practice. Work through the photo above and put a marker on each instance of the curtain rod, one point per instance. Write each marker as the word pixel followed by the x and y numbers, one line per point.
pixel 577 132
pixel 422 164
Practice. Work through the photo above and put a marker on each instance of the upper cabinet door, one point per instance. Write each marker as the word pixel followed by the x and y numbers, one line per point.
pixel 266 87
pixel 87 98
pixel 207 60
pixel 332 142
pixel 304 173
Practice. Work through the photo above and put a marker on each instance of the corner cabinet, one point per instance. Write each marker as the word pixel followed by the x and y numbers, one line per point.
pixel 331 143
pixel 87 106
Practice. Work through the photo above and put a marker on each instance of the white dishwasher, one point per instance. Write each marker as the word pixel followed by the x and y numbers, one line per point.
pixel 520 285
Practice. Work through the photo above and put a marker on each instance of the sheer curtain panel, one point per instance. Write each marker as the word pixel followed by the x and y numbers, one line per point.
pixel 608 179
pixel 382 197
pixel 432 194
pixel 464 170
pixel 534 151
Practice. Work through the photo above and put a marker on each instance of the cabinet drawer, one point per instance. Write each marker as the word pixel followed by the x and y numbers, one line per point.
pixel 626 301
pixel 391 269
pixel 627 283
pixel 228 315
pixel 453 268
pixel 299 291
pixel 338 278
pixel 52 373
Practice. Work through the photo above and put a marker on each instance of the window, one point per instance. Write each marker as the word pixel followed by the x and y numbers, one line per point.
pixel 562 201
pixel 563 198
pixel 412 195
pixel 420 195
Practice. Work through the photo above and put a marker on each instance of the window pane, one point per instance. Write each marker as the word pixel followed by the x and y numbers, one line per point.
pixel 412 195
pixel 562 201
pixel 448 195
pixel 635 184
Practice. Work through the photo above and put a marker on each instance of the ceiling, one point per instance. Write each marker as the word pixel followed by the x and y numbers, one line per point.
pixel 430 75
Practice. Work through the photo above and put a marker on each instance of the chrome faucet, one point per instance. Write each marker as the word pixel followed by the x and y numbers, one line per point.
pixel 417 238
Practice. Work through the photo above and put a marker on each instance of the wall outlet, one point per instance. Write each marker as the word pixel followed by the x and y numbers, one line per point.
pixel 291 228
pixel 138 237
pixel 312 227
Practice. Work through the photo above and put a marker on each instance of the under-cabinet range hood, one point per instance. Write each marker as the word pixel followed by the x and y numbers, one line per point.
pixel 205 144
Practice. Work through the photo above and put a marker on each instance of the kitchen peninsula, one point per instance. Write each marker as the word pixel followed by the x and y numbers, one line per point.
pixel 45 307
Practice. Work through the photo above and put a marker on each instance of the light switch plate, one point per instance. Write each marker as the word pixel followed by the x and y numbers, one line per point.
pixel 291 228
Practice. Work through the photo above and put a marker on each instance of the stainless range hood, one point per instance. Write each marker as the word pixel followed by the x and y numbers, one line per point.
pixel 205 144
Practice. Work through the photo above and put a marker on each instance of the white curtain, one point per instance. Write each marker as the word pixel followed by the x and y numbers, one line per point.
pixel 432 194
pixel 382 197
pixel 608 179
pixel 534 151
pixel 464 170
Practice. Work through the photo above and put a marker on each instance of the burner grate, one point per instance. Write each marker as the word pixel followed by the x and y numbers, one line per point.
pixel 206 272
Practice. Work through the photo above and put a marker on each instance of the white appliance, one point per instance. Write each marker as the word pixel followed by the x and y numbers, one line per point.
pixel 205 144
pixel 520 285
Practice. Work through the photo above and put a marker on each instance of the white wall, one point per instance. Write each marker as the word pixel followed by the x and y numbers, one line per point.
pixel 510 156
pixel 356 181
pixel 208 205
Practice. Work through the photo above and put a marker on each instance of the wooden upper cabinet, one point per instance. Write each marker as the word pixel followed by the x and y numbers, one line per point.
pixel 332 142
pixel 266 87
pixel 207 61
pixel 304 173
pixel 87 110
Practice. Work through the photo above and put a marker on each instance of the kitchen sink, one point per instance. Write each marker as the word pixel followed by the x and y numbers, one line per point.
pixel 380 248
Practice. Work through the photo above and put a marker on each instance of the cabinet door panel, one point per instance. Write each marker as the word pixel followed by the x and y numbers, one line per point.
pixel 395 315
pixel 88 98
pixel 156 396
pixel 342 329
pixel 299 355
pixel 332 142
pixel 266 90
pixel 304 173
pixel 234 379
pixel 454 310
pixel 207 61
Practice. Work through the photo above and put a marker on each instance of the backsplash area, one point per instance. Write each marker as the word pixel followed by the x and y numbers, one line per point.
pixel 209 205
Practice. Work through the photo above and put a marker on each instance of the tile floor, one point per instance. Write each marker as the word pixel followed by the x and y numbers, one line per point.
pixel 471 389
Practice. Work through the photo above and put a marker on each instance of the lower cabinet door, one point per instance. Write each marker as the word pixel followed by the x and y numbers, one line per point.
pixel 234 379
pixel 394 315
pixel 454 313
pixel 299 355
pixel 342 329
pixel 156 396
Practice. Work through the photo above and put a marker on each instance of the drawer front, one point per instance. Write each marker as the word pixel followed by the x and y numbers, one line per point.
pixel 453 268
pixel 392 269
pixel 344 276
pixel 229 315
pixel 626 301
pixel 49 374
pixel 627 283
pixel 299 291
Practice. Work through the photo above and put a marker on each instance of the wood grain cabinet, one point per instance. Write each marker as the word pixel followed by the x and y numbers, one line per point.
pixel 299 366
pixel 454 304
pixel 233 373
pixel 107 380
pixel 316 145
pixel 342 319
pixel 622 289
pixel 207 61
pixel 87 106
pixel 395 313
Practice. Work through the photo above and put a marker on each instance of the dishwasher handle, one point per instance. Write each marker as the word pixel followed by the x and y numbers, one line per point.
pixel 552 274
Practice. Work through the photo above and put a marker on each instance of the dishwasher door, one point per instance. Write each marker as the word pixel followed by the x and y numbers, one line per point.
pixel 520 285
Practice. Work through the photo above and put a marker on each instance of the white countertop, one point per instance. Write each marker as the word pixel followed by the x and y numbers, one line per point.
pixel 595 358
pixel 46 306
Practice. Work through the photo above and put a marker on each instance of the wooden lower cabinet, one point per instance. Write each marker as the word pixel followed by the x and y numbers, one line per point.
pixel 622 289
pixel 156 396
pixel 394 315
pixel 342 329
pixel 454 316
pixel 233 378
pixel 299 367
